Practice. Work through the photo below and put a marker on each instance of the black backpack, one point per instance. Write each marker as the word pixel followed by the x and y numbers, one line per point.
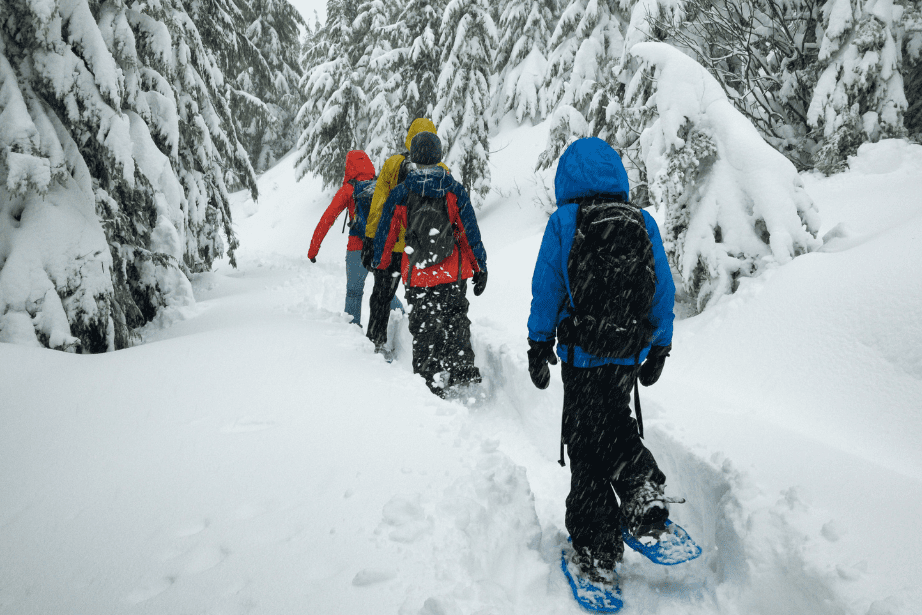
pixel 430 235
pixel 612 280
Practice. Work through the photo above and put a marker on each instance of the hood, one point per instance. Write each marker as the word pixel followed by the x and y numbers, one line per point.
pixel 590 166
pixel 358 166
pixel 432 182
pixel 419 125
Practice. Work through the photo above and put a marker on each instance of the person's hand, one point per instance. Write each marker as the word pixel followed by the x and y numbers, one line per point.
pixel 368 252
pixel 312 259
pixel 480 282
pixel 539 355
pixel 652 368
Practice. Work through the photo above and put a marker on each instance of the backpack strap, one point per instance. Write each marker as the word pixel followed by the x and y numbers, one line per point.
pixel 637 396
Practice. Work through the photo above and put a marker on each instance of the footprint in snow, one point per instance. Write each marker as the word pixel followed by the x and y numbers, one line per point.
pixel 406 516
pixel 370 576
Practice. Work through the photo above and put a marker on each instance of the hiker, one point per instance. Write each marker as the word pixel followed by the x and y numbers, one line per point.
pixel 355 196
pixel 393 172
pixel 603 289
pixel 443 250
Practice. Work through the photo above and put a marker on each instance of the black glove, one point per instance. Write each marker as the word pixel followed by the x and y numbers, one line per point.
pixel 313 260
pixel 539 355
pixel 652 368
pixel 368 252
pixel 480 282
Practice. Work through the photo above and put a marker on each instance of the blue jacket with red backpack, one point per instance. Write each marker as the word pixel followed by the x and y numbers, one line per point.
pixel 469 255
pixel 589 167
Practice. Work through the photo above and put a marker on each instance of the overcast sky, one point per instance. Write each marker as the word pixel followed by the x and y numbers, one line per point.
pixel 307 8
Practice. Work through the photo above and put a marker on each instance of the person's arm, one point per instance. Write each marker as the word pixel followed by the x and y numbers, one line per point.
pixel 471 230
pixel 340 201
pixel 393 218
pixel 548 287
pixel 662 313
pixel 387 180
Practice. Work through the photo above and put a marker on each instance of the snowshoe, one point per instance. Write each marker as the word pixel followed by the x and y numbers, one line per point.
pixel 668 547
pixel 595 588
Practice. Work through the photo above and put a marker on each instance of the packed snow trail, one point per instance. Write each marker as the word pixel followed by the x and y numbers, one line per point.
pixel 255 455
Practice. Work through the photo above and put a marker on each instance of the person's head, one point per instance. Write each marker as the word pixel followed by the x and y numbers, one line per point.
pixel 426 150
pixel 590 167
pixel 419 125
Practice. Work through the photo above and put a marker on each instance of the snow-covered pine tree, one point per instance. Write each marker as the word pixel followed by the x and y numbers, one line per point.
pixel 620 121
pixel 274 32
pixel 333 118
pixel 859 94
pixel 383 72
pixel 255 44
pixel 112 146
pixel 525 28
pixel 911 26
pixel 468 41
pixel 733 205
pixel 585 46
pixel 418 30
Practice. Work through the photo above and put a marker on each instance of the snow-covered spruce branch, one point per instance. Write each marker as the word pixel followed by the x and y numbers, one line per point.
pixel 763 54
pixel 733 205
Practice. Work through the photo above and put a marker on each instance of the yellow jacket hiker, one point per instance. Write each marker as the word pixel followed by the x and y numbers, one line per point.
pixel 388 179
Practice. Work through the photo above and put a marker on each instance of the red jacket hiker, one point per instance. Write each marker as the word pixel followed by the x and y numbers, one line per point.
pixel 358 168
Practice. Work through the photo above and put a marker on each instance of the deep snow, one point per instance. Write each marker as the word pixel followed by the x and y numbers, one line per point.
pixel 255 455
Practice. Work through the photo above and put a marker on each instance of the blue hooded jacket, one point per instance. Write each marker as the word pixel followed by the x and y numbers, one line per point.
pixel 589 167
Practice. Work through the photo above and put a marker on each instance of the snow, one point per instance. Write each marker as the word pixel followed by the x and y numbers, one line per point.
pixel 258 457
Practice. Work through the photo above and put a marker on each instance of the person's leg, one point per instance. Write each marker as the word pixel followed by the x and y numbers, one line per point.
pixel 427 333
pixel 458 355
pixel 386 282
pixel 355 285
pixel 592 508
pixel 396 304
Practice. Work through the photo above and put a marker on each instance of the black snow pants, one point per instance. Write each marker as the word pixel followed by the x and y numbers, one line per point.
pixel 386 283
pixel 442 335
pixel 605 451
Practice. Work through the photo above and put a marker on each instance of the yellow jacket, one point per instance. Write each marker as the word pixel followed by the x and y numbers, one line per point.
pixel 387 179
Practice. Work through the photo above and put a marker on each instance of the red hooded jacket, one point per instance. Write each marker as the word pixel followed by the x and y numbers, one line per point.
pixel 358 168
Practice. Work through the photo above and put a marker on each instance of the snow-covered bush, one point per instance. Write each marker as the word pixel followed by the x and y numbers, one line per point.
pixel 733 205
pixel 468 41
pixel 113 143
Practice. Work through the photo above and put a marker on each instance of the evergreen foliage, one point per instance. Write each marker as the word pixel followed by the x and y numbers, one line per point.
pixel 255 44
pixel 468 41
pixel 521 57
pixel 115 115
pixel 333 118
pixel 859 94
pixel 382 67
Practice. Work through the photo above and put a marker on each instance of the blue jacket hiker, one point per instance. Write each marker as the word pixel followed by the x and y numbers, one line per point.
pixel 433 214
pixel 602 288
